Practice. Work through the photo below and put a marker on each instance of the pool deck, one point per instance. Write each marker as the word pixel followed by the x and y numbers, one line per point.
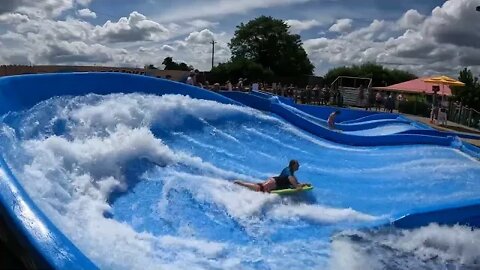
pixel 451 126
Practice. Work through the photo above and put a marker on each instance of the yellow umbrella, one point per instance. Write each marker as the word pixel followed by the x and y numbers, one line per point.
pixel 444 80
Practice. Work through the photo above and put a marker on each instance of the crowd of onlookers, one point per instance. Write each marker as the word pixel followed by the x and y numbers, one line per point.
pixel 369 99
pixel 308 95
pixel 314 94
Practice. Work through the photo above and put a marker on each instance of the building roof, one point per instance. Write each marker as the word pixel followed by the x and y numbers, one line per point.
pixel 416 86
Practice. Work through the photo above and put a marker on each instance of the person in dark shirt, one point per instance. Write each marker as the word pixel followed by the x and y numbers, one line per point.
pixel 286 179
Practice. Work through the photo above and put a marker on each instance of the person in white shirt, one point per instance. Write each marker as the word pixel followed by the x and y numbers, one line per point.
pixel 331 119
pixel 191 78
pixel 442 117
pixel 240 84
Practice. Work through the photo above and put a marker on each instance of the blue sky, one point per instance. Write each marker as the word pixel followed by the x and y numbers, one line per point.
pixel 422 36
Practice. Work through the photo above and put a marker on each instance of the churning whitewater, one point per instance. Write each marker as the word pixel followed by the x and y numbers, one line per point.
pixel 145 182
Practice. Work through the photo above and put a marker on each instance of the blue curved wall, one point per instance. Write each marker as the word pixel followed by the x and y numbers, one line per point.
pixel 324 111
pixel 373 117
pixel 467 213
pixel 256 102
pixel 358 119
pixel 49 247
pixel 285 100
pixel 24 91
pixel 35 232
pixel 355 140
pixel 349 126
pixel 321 111
pixel 433 132
pixel 40 235
pixel 315 128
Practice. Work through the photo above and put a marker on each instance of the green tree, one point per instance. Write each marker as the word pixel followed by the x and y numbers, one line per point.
pixel 380 75
pixel 183 66
pixel 470 93
pixel 267 41
pixel 241 68
pixel 171 65
pixel 150 66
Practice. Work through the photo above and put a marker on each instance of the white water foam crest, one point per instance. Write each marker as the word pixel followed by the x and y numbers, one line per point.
pixel 246 206
pixel 429 247
pixel 72 180
pixel 415 167
pixel 274 140
pixel 205 145
pixel 382 130
pixel 206 248
pixel 239 202
pixel 319 142
pixel 72 176
pixel 319 214
pixel 102 159
pixel 96 156
pixel 449 243
pixel 168 110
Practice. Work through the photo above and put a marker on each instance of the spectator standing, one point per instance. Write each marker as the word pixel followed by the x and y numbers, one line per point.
pixel 361 96
pixel 191 78
pixel 390 103
pixel 378 101
pixel 240 84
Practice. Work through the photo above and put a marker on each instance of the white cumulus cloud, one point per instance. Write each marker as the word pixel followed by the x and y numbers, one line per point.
pixel 203 37
pixel 134 28
pixel 342 26
pixel 412 19
pixel 297 26
pixel 87 13
pixel 13 18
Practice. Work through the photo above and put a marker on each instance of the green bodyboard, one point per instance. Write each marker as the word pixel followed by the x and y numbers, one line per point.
pixel 291 190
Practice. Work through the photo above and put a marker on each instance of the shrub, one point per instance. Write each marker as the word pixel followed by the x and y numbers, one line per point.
pixel 415 108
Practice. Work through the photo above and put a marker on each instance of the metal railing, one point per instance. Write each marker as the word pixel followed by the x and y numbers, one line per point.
pixel 348 95
pixel 464 115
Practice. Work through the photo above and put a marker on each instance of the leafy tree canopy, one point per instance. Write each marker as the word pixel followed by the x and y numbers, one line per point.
pixel 150 67
pixel 380 75
pixel 268 42
pixel 241 68
pixel 171 65
pixel 470 93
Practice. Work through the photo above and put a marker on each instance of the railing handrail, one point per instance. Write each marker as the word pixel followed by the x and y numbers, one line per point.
pixel 350 77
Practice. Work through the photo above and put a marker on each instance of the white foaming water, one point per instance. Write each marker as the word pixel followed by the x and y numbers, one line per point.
pixel 169 111
pixel 319 214
pixel 382 130
pixel 321 143
pixel 207 248
pixel 73 177
pixel 74 158
pixel 274 140
pixel 429 247
pixel 247 206
pixel 440 165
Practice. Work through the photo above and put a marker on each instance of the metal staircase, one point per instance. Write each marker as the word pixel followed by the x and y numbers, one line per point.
pixel 348 87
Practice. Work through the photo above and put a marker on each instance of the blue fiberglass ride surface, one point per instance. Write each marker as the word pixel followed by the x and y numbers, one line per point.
pixel 137 180
pixel 354 127
pixel 355 122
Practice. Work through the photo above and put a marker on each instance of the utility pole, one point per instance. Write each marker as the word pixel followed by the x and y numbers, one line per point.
pixel 213 50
